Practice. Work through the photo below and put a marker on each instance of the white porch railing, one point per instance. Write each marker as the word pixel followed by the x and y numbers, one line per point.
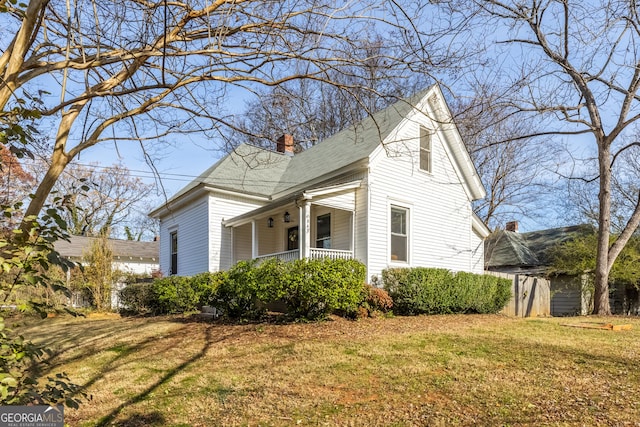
pixel 318 253
pixel 315 253
pixel 284 256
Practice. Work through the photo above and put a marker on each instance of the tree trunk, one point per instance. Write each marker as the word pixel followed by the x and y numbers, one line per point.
pixel 12 59
pixel 601 292
pixel 59 160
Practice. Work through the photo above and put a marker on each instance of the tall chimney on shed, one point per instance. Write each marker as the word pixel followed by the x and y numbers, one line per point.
pixel 512 226
pixel 285 144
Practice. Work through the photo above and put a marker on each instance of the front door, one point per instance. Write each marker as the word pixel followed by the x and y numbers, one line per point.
pixel 292 238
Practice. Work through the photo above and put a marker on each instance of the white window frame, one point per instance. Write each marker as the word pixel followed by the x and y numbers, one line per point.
pixel 172 271
pixel 330 236
pixel 426 149
pixel 407 209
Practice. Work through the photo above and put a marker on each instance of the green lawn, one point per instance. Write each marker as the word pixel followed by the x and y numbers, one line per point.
pixel 403 371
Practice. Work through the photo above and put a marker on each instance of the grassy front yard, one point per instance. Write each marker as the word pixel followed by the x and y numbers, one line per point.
pixel 403 371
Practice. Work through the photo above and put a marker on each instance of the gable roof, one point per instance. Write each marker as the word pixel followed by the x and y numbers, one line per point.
pixel 78 246
pixel 248 169
pixel 348 146
pixel 260 172
pixel 528 250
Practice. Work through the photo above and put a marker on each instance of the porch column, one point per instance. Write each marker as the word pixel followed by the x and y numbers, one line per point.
pixel 305 229
pixel 232 258
pixel 254 239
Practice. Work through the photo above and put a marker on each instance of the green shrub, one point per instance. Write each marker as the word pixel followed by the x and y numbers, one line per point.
pixel 500 291
pixel 171 295
pixel 438 291
pixel 310 289
pixel 239 296
pixel 271 280
pixel 419 290
pixel 137 298
pixel 205 286
pixel 174 294
pixel 316 288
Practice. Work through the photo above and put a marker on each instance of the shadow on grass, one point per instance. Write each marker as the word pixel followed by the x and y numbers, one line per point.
pixel 70 336
pixel 124 342
pixel 137 419
pixel 133 421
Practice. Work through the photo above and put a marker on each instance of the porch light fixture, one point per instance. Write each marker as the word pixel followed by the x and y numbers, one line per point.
pixel 287 217
pixel 270 222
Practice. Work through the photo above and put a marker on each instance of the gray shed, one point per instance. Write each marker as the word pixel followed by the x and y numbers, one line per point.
pixel 508 251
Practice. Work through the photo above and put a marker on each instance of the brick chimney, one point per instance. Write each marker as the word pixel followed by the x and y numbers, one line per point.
pixel 512 226
pixel 285 144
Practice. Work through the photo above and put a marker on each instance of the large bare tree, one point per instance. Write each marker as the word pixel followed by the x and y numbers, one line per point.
pixel 515 172
pixel 138 71
pixel 312 111
pixel 575 67
pixel 105 200
pixel 582 192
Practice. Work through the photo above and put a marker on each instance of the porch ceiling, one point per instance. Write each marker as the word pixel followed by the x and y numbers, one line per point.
pixel 323 195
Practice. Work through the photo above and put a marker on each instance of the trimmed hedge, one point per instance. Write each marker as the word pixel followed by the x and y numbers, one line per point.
pixel 170 295
pixel 137 298
pixel 309 289
pixel 439 291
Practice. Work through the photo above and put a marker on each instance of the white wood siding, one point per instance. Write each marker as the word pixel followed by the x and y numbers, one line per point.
pixel 242 242
pixel 191 224
pixel 340 227
pixel 135 267
pixel 223 207
pixel 344 200
pixel 440 232
pixel 477 254
pixel 271 240
pixel 341 230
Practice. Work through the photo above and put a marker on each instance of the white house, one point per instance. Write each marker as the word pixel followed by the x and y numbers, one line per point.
pixel 128 256
pixel 392 191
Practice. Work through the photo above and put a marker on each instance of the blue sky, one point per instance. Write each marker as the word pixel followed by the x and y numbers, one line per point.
pixel 177 163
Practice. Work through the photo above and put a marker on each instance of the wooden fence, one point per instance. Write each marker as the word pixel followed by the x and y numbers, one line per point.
pixel 530 295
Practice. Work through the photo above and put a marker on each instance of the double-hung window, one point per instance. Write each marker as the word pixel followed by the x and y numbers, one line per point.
pixel 399 234
pixel 323 231
pixel 174 253
pixel 425 149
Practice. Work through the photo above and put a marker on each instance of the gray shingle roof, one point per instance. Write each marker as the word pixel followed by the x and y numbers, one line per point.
pixel 348 146
pixel 511 249
pixel 80 245
pixel 247 168
pixel 258 171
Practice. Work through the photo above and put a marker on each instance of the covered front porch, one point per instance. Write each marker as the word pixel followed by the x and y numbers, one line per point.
pixel 316 224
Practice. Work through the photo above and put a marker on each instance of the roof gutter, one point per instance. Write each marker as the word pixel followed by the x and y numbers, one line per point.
pixel 198 191
pixel 294 197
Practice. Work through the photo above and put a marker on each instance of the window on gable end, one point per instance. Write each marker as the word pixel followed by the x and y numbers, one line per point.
pixel 425 149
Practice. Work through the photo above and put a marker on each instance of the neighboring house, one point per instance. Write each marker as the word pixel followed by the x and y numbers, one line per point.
pixel 508 251
pixel 128 255
pixel 392 191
